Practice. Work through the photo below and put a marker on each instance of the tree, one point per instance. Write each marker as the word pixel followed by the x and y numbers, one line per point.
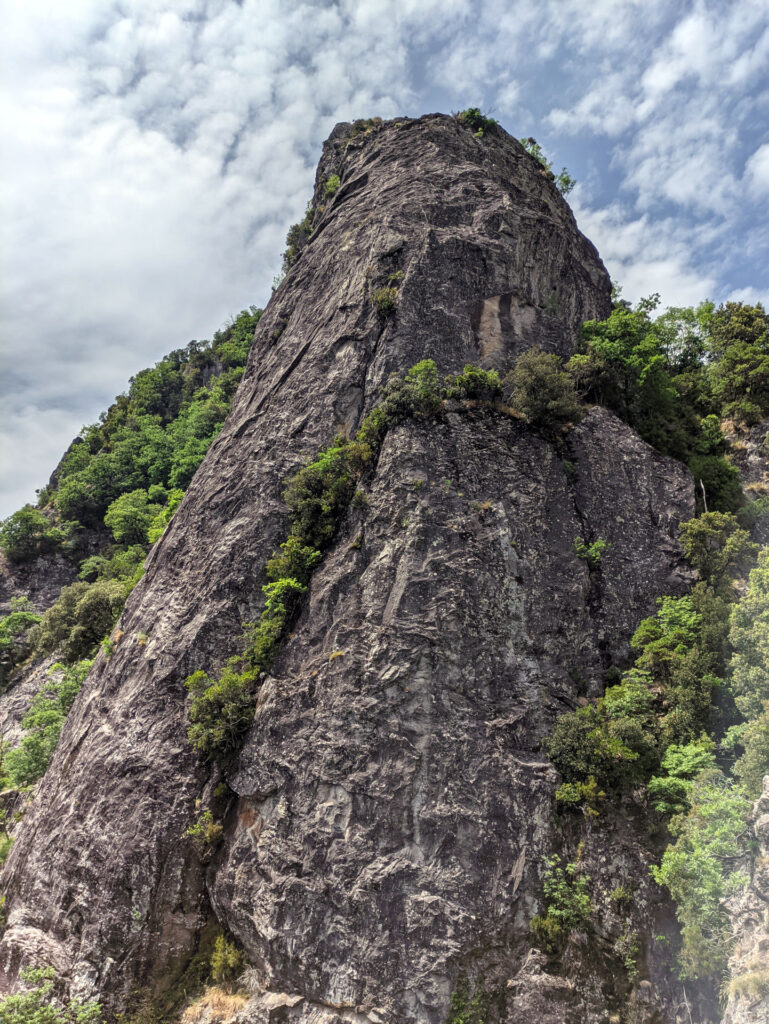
pixel 130 516
pixel 749 638
pixel 28 533
pixel 540 390
pixel 717 547
pixel 38 1006
pixel 699 870
pixel 14 628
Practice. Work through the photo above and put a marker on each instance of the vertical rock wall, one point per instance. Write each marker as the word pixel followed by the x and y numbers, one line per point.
pixel 392 803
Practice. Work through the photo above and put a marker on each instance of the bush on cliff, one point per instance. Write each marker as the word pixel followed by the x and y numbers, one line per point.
pixel 38 1004
pixel 42 724
pixel 27 534
pixel 540 390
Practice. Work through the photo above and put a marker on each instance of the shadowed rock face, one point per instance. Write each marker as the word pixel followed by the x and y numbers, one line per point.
pixel 392 804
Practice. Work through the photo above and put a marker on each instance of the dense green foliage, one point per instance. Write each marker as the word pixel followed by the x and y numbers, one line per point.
pixel 79 619
pixel 545 395
pixel 14 629
pixel 658 729
pixel 159 432
pixel 43 723
pixel 699 869
pixel 568 904
pixel 227 962
pixel 297 237
pixel 28 533
pixel 477 122
pixel 674 378
pixel 467 1009
pixel 37 1004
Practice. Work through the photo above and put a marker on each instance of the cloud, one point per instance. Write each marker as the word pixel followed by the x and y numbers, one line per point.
pixel 155 152
pixel 757 170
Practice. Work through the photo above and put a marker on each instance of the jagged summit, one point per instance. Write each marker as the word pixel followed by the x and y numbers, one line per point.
pixel 390 808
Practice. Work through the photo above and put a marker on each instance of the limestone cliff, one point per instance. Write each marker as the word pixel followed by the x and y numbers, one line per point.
pixel 391 807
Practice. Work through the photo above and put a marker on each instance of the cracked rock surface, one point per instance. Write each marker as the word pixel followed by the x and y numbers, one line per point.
pixel 392 801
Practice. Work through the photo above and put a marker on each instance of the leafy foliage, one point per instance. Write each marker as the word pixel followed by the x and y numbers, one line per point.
pixel 28 533
pixel 38 1006
pixel 297 237
pixel 540 390
pixel 130 517
pixel 159 432
pixel 14 628
pixel 82 615
pixel 590 553
pixel 227 962
pixel 568 904
pixel 699 870
pixel 43 723
pixel 718 548
pixel 466 1009
pixel 205 833
pixel 477 122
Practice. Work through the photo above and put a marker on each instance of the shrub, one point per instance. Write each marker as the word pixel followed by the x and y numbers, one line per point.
pixel 749 638
pixel 753 765
pixel 590 553
pixel 385 300
pixel 543 393
pixel 297 237
pixel 568 905
pixel 718 548
pixel 28 533
pixel 699 871
pixel 563 180
pixel 681 764
pixel 163 517
pixel 28 762
pixel 227 961
pixel 14 628
pixel 332 185
pixel 130 516
pixel 222 710
pixel 717 483
pixel 474 383
pixel 467 1009
pixel 39 1006
pixel 473 119
pixel 80 617
pixel 205 834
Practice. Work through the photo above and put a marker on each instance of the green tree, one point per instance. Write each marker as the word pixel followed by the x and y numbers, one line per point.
pixel 749 638
pixel 718 548
pixel 38 1005
pixel 130 517
pixel 540 390
pixel 14 628
pixel 79 619
pixel 700 869
pixel 43 723
pixel 28 533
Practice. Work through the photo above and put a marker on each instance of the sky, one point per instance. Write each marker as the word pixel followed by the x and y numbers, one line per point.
pixel 154 152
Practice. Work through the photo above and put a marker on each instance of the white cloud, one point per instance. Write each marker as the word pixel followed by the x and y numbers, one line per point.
pixel 757 169
pixel 155 151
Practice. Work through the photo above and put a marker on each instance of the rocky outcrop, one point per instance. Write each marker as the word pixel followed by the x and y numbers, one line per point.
pixel 391 805
pixel 748 988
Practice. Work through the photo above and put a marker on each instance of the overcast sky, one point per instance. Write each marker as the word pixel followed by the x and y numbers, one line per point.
pixel 154 153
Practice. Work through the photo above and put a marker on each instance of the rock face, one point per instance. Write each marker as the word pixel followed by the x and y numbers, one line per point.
pixel 749 964
pixel 391 805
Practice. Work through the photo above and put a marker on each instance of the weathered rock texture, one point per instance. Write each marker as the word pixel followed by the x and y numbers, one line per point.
pixel 749 910
pixel 392 802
